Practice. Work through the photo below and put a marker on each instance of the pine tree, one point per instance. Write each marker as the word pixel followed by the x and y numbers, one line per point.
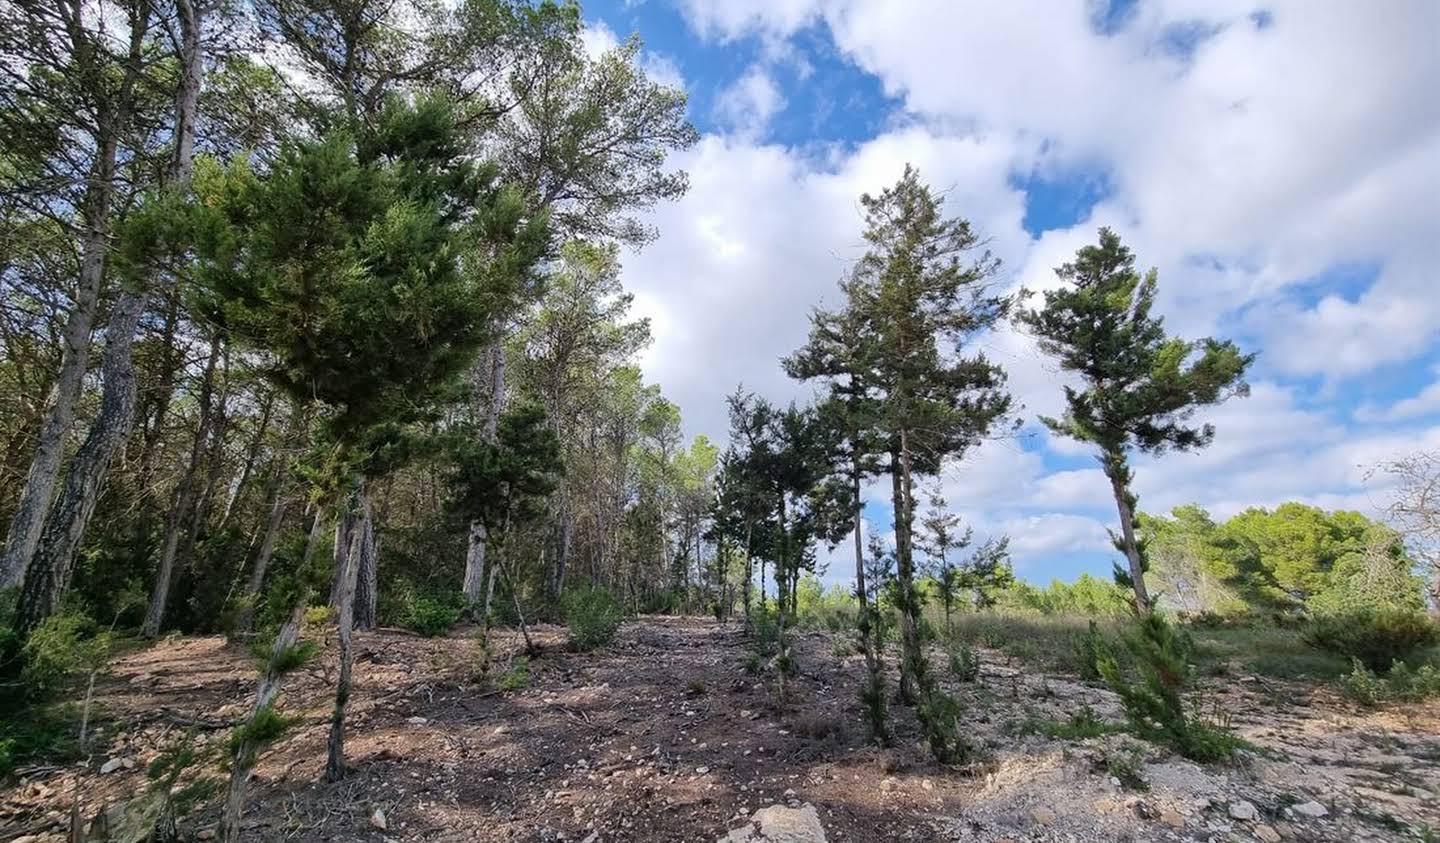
pixel 924 279
pixel 1140 385
pixel 351 268
pixel 940 535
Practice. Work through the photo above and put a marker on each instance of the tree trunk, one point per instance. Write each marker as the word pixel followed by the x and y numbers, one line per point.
pixel 366 585
pixel 335 760
pixel 244 754
pixel 1118 471
pixel 905 579
pixel 184 503
pixel 54 560
pixel 475 550
pixel 34 501
pixel 251 595
pixel 247 470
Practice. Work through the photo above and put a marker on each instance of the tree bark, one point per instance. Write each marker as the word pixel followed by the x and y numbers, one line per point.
pixel 905 578
pixel 30 510
pixel 475 550
pixel 366 585
pixel 1118 472
pixel 54 560
pixel 184 503
pixel 335 759
pixel 243 756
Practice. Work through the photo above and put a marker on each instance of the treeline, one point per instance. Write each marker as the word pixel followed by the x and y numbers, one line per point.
pixel 319 302
pixel 905 392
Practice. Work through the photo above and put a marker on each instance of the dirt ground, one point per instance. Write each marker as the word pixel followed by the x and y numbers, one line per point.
pixel 664 737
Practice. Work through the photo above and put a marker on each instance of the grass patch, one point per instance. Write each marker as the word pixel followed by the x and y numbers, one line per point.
pixel 1083 724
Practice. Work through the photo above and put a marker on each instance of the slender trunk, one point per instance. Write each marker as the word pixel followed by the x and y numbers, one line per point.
pixel 749 570
pixel 251 596
pixel 346 527
pixel 184 503
pixel 367 574
pixel 54 559
pixel 910 662
pixel 782 574
pixel 1118 472
pixel 335 759
pixel 246 750
pixel 29 517
pixel 66 523
pixel 495 398
pixel 252 456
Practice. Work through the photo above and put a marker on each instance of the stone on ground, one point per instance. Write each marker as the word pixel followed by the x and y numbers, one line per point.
pixel 779 824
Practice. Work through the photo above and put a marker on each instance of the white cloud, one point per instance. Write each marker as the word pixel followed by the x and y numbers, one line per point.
pixel 1243 169
pixel 747 105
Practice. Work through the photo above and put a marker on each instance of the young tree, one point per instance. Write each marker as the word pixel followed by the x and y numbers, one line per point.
pixel 940 535
pixel 924 280
pixel 841 352
pixel 1139 385
pixel 345 268
pixel 504 485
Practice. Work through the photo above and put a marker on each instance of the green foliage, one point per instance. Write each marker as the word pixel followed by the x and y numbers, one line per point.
pixel 430 615
pixel 518 676
pixel 964 662
pixel 940 715
pixel 1087 596
pixel 593 616
pixel 62 645
pixel 1140 386
pixel 1090 649
pixel 1083 724
pixel 1376 635
pixel 1400 684
pixel 265 726
pixel 286 660
pixel 1154 701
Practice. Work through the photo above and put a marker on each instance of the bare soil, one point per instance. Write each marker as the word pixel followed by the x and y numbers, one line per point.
pixel 664 737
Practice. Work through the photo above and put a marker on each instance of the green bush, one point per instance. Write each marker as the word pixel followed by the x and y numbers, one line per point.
pixel 1155 699
pixel 1401 684
pixel 430 616
pixel 62 645
pixel 593 616
pixel 518 676
pixel 965 663
pixel 1084 723
pixel 1378 636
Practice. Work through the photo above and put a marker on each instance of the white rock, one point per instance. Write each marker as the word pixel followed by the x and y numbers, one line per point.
pixel 779 824
pixel 416 720
pixel 1243 810
pixel 1310 809
pixel 377 819
pixel 111 766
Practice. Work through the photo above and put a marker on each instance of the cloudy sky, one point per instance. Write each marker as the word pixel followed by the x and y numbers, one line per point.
pixel 1277 161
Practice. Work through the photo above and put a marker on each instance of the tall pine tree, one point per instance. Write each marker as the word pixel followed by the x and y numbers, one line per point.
pixel 1139 385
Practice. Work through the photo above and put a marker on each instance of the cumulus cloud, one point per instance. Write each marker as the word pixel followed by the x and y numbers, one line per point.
pixel 1244 157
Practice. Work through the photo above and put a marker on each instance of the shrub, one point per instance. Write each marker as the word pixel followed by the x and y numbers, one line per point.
pixel 58 647
pixel 1401 684
pixel 593 616
pixel 965 663
pixel 430 616
pixel 1154 702
pixel 1084 723
pixel 1378 636
pixel 518 676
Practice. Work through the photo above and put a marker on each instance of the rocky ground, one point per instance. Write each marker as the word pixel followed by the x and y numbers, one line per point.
pixel 664 737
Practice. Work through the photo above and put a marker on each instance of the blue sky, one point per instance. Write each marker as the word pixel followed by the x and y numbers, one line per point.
pixel 1278 162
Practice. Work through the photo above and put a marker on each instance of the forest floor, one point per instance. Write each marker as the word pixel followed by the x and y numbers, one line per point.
pixel 665 737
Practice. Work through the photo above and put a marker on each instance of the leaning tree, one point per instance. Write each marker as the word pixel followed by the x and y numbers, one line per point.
pixel 1139 386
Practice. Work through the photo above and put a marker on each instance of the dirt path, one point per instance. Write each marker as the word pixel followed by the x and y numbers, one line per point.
pixel 664 737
